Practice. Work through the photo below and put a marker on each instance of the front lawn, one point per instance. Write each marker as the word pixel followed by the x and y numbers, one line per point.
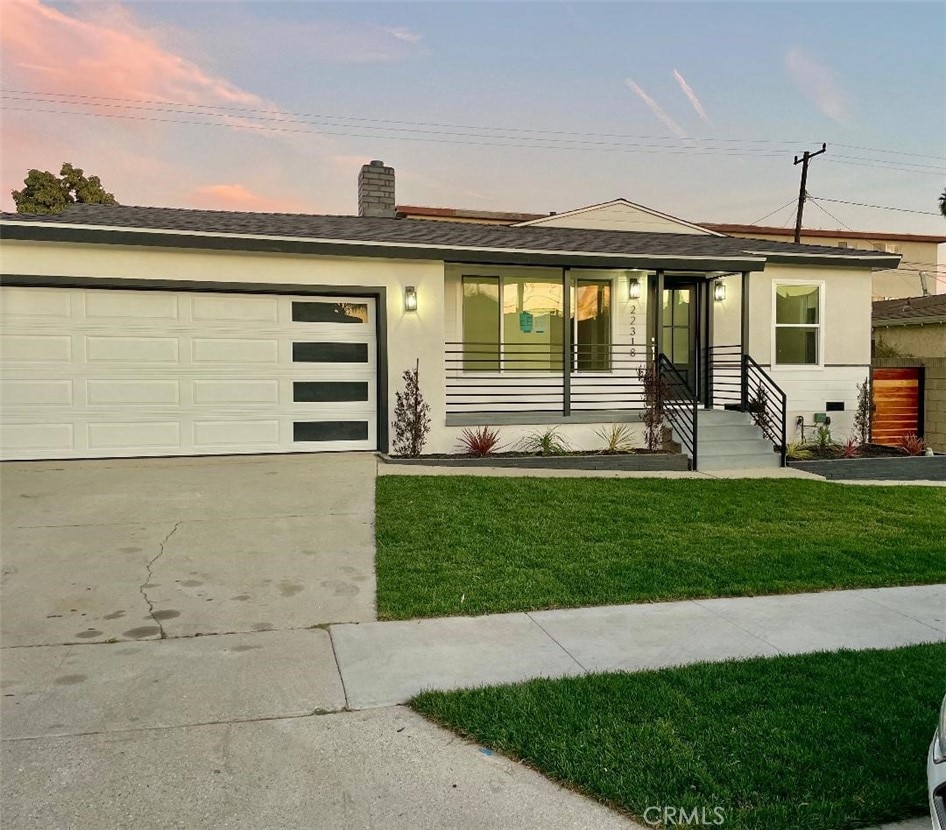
pixel 818 741
pixel 468 545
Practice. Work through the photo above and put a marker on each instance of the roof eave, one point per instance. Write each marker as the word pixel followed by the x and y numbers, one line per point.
pixel 39 232
pixel 878 263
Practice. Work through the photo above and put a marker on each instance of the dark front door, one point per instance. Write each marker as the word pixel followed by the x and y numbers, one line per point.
pixel 679 319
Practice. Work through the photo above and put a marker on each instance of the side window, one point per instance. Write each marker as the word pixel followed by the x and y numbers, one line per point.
pixel 798 324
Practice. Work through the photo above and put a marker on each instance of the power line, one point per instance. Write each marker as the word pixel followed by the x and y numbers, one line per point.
pixel 935 167
pixel 887 167
pixel 789 202
pixel 879 207
pixel 893 152
pixel 480 131
pixel 281 116
pixel 500 141
pixel 820 207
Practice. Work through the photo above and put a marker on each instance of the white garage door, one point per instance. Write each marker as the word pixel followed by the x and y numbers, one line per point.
pixel 94 373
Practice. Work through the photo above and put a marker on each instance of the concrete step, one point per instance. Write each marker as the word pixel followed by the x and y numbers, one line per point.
pixel 726 432
pixel 740 461
pixel 740 447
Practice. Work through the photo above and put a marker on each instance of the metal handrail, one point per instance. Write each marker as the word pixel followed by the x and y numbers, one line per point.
pixel 682 410
pixel 770 416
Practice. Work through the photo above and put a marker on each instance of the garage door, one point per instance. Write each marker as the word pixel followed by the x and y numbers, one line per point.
pixel 93 373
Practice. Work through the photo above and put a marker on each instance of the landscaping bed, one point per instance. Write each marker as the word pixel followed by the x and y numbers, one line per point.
pixel 452 545
pixel 824 741
pixel 630 461
pixel 893 467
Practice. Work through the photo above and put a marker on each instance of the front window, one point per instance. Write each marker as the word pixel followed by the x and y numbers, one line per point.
pixel 515 323
pixel 797 324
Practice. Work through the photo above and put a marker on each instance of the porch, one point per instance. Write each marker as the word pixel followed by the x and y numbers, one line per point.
pixel 574 349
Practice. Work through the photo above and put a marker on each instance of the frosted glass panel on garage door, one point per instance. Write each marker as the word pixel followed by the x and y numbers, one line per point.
pixel 90 373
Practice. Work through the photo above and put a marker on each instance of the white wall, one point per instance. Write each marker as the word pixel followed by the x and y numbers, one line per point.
pixel 846 333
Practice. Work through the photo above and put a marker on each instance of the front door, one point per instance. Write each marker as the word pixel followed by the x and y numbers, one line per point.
pixel 679 320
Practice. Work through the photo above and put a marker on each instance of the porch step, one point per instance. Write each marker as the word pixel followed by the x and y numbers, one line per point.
pixel 738 461
pixel 728 440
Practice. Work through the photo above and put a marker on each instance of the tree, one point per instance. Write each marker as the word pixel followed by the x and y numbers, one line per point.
pixel 942 203
pixel 45 192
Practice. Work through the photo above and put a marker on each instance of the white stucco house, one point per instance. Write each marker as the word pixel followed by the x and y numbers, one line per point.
pixel 135 331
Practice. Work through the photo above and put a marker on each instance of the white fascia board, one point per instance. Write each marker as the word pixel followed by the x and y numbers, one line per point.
pixel 378 244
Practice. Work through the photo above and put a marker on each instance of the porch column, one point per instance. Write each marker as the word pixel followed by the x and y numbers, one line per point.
pixel 708 303
pixel 657 302
pixel 744 337
pixel 566 342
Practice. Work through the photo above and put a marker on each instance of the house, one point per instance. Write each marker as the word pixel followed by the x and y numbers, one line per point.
pixel 135 331
pixel 909 376
pixel 911 327
pixel 919 271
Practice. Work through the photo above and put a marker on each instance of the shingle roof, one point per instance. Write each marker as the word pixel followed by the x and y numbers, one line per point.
pixel 425 234
pixel 911 309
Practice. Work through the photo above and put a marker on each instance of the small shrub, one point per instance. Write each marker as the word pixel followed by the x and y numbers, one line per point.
pixel 797 451
pixel 863 412
pixel 912 444
pixel 758 408
pixel 823 440
pixel 656 392
pixel 850 449
pixel 617 438
pixel 411 416
pixel 549 442
pixel 480 442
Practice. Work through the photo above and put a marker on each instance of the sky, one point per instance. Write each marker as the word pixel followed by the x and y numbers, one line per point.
pixel 694 109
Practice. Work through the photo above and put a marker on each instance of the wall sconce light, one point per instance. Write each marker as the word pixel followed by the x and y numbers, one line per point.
pixel 634 288
pixel 410 298
pixel 719 291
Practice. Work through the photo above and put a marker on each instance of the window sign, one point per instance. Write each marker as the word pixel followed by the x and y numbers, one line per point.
pixel 525 322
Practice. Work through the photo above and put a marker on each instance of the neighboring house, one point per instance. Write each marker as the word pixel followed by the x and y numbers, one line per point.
pixel 135 331
pixel 919 271
pixel 910 369
pixel 911 327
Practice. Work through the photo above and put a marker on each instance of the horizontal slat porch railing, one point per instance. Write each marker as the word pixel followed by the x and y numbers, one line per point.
pixel 481 377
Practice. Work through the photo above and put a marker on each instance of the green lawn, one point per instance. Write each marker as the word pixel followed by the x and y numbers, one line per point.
pixel 820 741
pixel 466 545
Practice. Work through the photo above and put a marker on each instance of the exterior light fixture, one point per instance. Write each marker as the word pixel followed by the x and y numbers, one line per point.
pixel 634 288
pixel 410 298
pixel 719 291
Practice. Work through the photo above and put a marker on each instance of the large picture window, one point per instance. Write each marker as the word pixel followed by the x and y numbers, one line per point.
pixel 514 323
pixel 798 324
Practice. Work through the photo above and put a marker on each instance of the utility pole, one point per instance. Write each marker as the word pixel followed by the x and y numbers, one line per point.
pixel 804 181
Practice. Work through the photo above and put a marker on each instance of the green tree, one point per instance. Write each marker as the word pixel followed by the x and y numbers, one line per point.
pixel 45 192
pixel 942 203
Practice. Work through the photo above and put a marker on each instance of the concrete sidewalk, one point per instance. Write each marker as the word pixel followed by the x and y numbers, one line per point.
pixel 386 663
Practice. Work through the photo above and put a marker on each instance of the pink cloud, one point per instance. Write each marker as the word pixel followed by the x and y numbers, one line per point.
pixel 239 197
pixel 102 52
pixel 111 57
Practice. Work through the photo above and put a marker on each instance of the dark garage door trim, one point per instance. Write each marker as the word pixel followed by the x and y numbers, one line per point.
pixel 376 292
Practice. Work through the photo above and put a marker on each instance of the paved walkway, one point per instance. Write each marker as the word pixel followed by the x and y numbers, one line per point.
pixel 385 663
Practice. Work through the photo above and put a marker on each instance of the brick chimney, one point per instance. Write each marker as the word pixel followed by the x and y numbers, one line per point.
pixel 376 190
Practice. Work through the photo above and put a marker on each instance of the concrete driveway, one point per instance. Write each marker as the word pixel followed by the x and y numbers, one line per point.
pixel 166 660
pixel 96 551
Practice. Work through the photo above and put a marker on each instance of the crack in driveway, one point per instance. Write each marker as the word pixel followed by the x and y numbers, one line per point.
pixel 142 588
